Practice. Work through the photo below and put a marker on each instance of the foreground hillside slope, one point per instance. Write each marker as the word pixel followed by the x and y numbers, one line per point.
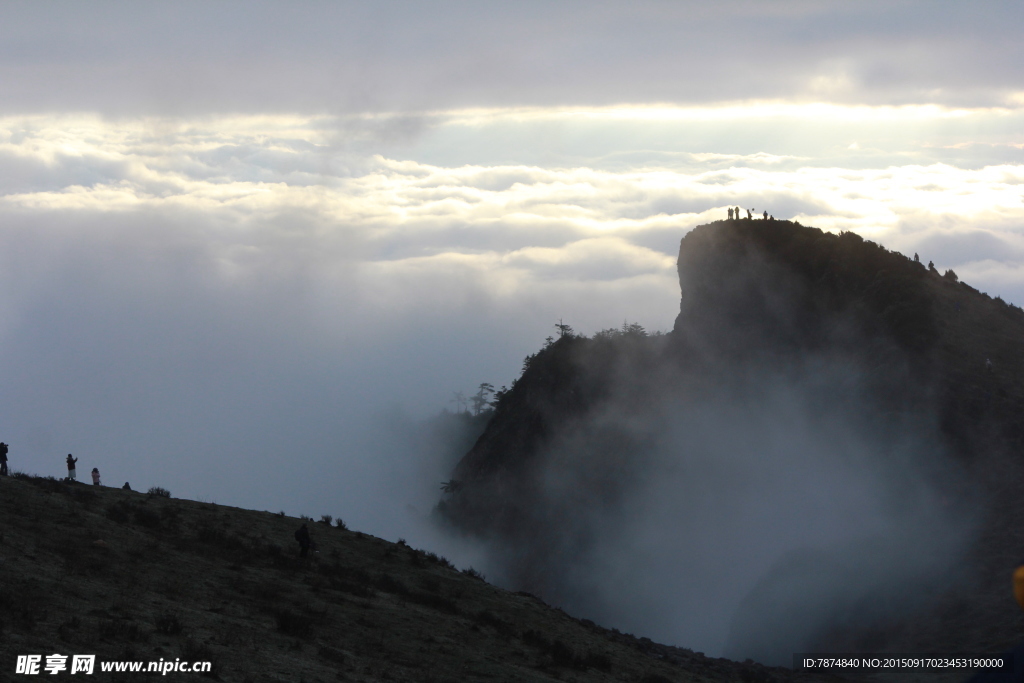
pixel 869 353
pixel 131 576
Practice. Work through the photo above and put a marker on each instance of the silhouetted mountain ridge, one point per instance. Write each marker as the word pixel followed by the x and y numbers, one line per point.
pixel 904 359
pixel 850 288
pixel 840 290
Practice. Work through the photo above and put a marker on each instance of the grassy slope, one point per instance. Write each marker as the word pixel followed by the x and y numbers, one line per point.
pixel 178 578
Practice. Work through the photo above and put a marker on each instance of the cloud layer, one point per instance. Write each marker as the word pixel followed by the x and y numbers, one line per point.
pixel 182 295
pixel 348 56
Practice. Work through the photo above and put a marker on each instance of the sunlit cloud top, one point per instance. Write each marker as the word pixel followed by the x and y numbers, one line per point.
pixel 437 190
pixel 713 111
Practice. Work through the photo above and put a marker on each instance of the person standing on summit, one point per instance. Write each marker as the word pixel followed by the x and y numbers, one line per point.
pixel 71 467
pixel 3 460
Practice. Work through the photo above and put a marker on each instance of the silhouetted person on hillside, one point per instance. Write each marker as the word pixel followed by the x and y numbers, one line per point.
pixel 3 460
pixel 95 476
pixel 730 213
pixel 750 216
pixel 302 536
pixel 126 487
pixel 765 217
pixel 736 213
pixel 71 467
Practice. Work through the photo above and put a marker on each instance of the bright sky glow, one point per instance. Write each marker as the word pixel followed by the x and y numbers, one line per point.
pixel 742 111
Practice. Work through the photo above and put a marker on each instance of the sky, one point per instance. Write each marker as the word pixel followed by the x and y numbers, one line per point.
pixel 246 248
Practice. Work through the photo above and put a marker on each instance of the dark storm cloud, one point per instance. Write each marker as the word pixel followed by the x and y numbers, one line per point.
pixel 190 56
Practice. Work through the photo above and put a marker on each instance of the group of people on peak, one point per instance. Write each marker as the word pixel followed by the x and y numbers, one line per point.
pixel 735 214
pixel 71 460
pixel 71 471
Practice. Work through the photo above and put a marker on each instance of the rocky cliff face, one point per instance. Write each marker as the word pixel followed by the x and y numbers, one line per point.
pixel 782 286
pixel 828 425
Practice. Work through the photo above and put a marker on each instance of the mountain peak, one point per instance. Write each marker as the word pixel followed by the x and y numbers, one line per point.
pixel 798 355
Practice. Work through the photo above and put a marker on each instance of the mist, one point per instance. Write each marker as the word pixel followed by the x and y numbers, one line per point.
pixel 750 526
pixel 250 365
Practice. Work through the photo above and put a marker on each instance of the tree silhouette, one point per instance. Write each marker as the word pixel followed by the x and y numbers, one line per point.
pixel 499 395
pixel 461 405
pixel 563 329
pixel 451 486
pixel 635 329
pixel 479 399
